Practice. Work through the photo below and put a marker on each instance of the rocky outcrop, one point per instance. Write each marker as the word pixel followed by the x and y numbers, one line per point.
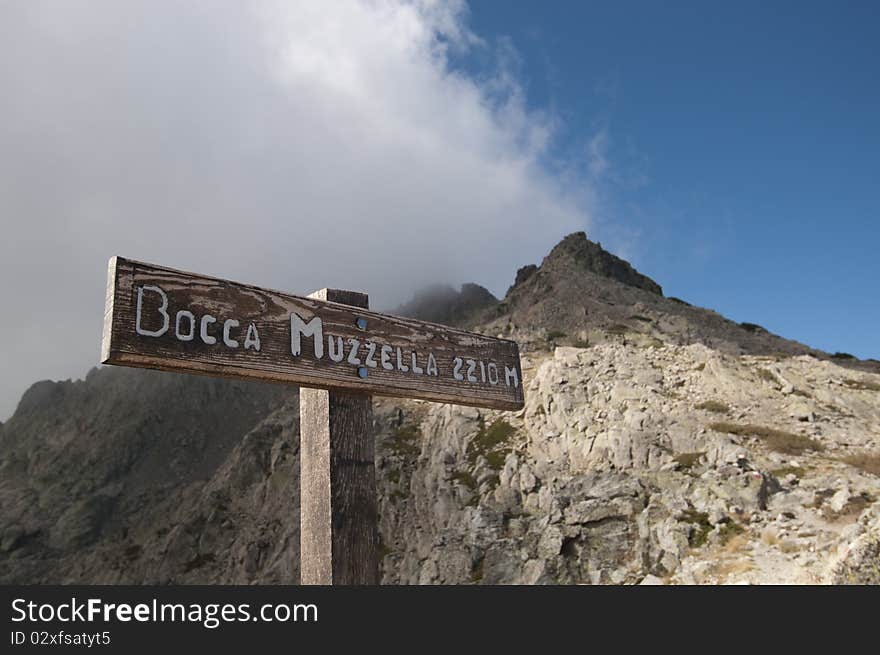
pixel 577 253
pixel 859 561
pixel 623 468
pixel 523 274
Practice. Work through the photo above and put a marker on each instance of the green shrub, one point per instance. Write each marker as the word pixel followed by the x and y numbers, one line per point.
pixel 701 527
pixel 405 440
pixel 491 443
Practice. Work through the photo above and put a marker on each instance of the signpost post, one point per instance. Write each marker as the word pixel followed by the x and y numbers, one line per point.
pixel 329 343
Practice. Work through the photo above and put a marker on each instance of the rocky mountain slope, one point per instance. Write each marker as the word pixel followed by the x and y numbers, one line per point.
pixel 93 471
pixel 659 443
pixel 630 463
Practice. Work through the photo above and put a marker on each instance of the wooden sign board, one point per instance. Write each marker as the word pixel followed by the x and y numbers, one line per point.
pixel 165 319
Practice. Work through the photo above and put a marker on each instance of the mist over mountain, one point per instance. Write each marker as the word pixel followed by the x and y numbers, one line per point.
pixel 442 303
pixel 660 443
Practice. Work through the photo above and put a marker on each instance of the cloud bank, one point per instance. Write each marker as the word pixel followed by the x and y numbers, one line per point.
pixel 294 145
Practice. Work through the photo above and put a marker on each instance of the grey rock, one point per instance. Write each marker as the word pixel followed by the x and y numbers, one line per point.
pixel 861 563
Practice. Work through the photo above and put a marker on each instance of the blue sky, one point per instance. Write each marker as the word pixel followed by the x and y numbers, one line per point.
pixel 738 145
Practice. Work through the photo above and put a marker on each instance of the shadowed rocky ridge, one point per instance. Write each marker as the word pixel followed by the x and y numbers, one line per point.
pixel 93 471
pixel 443 304
pixel 660 443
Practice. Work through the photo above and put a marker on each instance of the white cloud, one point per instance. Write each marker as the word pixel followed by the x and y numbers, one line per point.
pixel 597 154
pixel 287 144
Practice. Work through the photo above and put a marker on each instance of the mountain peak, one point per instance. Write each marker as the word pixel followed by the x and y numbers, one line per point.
pixel 577 251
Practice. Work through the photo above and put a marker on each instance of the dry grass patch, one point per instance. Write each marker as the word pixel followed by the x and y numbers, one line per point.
pixel 734 558
pixel 781 441
pixel 733 567
pixel 714 406
pixel 868 462
pixel 619 328
pixel 861 385
pixel 854 506
pixel 798 471
pixel 737 543
pixel 789 546
pixel 770 537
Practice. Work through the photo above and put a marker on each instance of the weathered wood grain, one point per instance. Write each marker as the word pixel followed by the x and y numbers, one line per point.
pixel 270 314
pixel 339 541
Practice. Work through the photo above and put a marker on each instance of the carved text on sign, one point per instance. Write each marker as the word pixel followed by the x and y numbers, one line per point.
pixel 157 318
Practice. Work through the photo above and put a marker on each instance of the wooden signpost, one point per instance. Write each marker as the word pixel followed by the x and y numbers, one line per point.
pixel 329 342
